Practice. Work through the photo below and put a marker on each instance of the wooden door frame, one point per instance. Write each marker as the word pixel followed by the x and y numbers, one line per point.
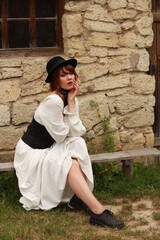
pixel 154 52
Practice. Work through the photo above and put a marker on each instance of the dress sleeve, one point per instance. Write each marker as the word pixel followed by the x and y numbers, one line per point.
pixel 76 128
pixel 51 115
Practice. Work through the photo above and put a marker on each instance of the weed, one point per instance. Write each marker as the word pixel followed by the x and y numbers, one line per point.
pixel 143 222
pixel 107 143
pixel 141 206
pixel 156 216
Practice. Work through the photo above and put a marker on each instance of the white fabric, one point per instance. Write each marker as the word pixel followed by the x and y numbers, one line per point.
pixel 42 173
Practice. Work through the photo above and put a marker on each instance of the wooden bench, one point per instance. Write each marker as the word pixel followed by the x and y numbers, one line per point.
pixel 126 157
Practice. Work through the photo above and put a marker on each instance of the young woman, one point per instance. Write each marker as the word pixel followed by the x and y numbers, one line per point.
pixel 51 159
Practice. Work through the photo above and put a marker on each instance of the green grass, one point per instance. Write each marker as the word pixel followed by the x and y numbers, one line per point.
pixel 63 224
pixel 145 182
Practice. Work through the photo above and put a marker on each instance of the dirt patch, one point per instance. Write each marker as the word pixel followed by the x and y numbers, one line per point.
pixel 137 215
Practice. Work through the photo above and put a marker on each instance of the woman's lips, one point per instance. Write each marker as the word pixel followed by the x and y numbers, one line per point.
pixel 70 83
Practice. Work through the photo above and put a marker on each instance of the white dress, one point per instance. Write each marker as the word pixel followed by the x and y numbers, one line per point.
pixel 42 173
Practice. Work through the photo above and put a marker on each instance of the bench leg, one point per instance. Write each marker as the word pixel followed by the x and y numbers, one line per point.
pixel 127 168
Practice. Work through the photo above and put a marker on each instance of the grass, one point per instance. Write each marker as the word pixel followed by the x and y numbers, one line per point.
pixel 62 223
pixel 146 182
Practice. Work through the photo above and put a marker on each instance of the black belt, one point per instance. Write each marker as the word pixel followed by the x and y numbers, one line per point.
pixel 37 136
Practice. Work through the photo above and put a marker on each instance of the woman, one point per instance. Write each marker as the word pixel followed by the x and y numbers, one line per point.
pixel 51 159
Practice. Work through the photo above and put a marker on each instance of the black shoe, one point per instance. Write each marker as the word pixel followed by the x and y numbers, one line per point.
pixel 106 219
pixel 78 205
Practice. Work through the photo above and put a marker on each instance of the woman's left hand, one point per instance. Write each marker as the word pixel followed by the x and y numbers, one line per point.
pixel 73 92
pixel 71 96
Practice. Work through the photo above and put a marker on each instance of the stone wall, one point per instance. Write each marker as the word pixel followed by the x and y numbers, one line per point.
pixel 109 39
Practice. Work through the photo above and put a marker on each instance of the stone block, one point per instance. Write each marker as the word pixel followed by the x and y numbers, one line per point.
pixel 136 141
pixel 143 83
pixel 126 104
pixel 114 4
pixel 149 140
pixel 105 83
pixel 73 6
pixel 10 136
pixel 121 14
pixel 10 63
pixel 92 71
pixel 133 40
pixel 120 52
pixel 125 135
pixel 11 72
pixel 101 2
pixel 98 13
pixel 151 100
pixel 127 25
pixel 144 25
pixel 116 92
pixel 74 47
pixel 33 69
pixel 141 5
pixel 89 135
pixel 102 26
pixel 98 52
pixel 37 86
pixel 91 106
pixel 103 40
pixel 4 115
pixel 86 59
pixel 23 111
pixel 7 156
pixel 9 90
pixel 144 60
pixel 72 25
pixel 120 63
pixel 141 118
pixel 98 129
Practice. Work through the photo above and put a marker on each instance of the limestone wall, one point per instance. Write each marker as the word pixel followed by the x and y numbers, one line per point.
pixel 109 39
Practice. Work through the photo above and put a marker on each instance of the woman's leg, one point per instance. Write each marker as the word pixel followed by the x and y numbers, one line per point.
pixel 77 182
pixel 98 216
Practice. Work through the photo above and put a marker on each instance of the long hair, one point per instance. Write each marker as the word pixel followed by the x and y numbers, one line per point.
pixel 54 84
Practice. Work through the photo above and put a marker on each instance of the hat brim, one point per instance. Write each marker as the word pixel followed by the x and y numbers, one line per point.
pixel 72 62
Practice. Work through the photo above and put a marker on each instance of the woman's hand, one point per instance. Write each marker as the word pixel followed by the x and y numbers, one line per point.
pixel 73 92
pixel 71 96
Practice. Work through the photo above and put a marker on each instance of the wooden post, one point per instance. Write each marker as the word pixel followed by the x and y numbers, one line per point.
pixel 127 168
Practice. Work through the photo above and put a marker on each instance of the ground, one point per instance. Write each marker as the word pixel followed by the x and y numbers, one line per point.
pixel 140 215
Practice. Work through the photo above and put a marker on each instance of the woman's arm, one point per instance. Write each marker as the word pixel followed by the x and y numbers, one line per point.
pixel 76 128
pixel 52 117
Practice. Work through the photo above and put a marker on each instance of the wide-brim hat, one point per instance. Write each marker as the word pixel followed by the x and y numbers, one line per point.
pixel 56 62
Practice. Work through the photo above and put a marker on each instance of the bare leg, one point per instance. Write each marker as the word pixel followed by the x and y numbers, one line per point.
pixel 77 182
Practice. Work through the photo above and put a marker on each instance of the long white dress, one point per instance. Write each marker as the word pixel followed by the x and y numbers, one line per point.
pixel 42 173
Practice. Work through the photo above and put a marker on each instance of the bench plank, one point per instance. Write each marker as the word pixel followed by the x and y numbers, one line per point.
pixel 124 155
pixel 6 167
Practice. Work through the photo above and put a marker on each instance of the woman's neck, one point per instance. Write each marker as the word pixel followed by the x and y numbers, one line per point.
pixel 63 94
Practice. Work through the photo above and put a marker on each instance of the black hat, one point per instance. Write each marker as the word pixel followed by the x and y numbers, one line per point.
pixel 56 62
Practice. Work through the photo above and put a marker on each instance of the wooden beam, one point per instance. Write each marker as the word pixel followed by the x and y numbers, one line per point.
pixel 6 167
pixel 124 155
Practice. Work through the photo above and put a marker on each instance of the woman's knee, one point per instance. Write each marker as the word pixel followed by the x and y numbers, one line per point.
pixel 79 145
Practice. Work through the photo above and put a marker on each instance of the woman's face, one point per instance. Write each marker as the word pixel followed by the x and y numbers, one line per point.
pixel 66 79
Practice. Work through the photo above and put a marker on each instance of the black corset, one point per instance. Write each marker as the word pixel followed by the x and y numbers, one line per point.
pixel 37 136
